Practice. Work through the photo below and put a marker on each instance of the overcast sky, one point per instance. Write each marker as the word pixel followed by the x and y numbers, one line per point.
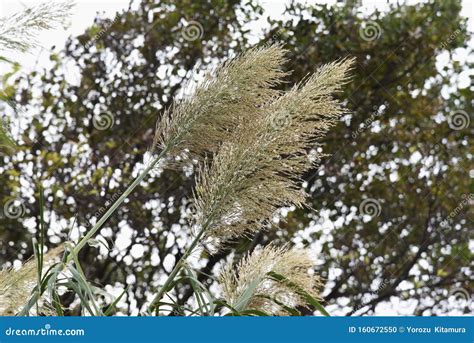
pixel 86 10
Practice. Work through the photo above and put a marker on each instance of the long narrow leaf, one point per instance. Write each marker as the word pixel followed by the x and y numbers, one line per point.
pixel 113 305
pixel 309 299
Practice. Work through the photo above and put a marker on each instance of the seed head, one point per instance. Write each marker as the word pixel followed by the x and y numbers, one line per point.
pixel 248 286
pixel 16 285
pixel 227 97
pixel 19 31
pixel 258 169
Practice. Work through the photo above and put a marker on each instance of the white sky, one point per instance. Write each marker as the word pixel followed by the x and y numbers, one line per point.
pixel 82 16
pixel 85 11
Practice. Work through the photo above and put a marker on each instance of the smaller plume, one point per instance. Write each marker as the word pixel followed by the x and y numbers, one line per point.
pixel 248 286
pixel 16 285
pixel 19 31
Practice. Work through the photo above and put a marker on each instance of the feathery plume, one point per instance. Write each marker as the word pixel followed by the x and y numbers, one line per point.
pixel 258 169
pixel 248 286
pixel 19 31
pixel 232 94
pixel 16 285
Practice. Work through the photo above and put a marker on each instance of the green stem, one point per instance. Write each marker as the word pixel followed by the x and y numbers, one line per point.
pixel 176 269
pixel 114 206
pixel 182 261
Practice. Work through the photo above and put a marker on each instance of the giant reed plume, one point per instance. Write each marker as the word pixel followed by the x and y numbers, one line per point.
pixel 259 168
pixel 232 94
pixel 250 286
pixel 17 285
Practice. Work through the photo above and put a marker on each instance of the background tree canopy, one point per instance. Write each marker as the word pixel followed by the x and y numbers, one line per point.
pixel 392 219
